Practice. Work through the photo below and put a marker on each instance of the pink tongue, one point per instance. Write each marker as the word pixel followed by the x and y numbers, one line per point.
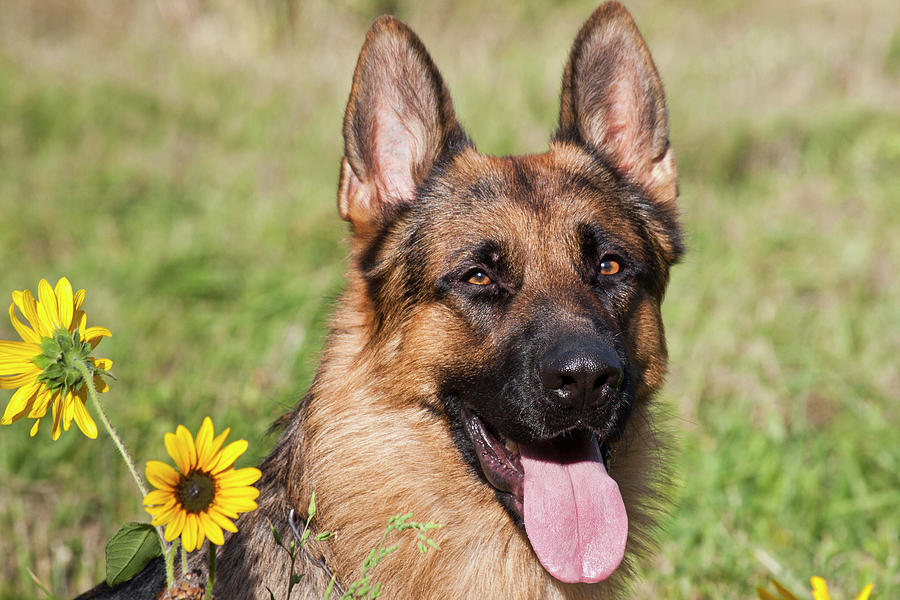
pixel 574 515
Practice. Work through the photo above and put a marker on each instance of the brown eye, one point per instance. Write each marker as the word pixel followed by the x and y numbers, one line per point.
pixel 479 278
pixel 609 266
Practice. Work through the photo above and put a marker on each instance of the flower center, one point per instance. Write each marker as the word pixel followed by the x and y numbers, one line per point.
pixel 196 492
pixel 58 359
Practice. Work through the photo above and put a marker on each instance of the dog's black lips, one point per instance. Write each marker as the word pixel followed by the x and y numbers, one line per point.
pixel 500 460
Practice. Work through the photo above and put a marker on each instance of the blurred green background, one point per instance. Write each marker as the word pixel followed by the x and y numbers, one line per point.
pixel 179 159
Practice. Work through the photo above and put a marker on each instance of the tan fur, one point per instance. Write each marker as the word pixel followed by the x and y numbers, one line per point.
pixel 370 438
pixel 390 468
pixel 377 434
pixel 370 451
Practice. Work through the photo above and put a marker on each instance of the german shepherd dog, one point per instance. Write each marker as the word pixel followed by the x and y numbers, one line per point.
pixel 492 363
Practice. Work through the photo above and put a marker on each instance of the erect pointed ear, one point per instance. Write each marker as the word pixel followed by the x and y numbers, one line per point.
pixel 399 121
pixel 612 100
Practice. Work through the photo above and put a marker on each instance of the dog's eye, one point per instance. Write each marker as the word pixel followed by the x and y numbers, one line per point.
pixel 479 278
pixel 609 266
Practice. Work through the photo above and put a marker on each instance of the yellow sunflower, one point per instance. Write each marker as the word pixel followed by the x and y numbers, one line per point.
pixel 43 365
pixel 202 497
pixel 819 591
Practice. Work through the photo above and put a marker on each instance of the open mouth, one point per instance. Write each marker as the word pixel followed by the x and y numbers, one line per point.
pixel 573 511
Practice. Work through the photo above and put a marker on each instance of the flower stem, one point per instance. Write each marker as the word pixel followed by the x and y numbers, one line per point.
pixel 170 562
pixel 88 379
pixel 212 571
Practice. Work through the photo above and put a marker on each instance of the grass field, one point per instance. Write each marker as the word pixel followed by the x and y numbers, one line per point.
pixel 179 160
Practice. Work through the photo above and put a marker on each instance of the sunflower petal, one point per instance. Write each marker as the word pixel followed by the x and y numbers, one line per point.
pixel 163 515
pixel 159 498
pixel 15 366
pixel 203 444
pixel 102 363
pixel 783 591
pixel 16 381
pixel 189 533
pixel 221 519
pixel 55 402
pixel 224 510
pixel 77 318
pixel 78 299
pixel 819 588
pixel 214 446
pixel 158 520
pixel 171 442
pixel 864 594
pixel 161 475
pixel 18 300
pixel 211 530
pixel 247 492
pixel 238 477
pixel 92 335
pixel 68 408
pixel 65 302
pixel 240 505
pixel 100 384
pixel 764 594
pixel 34 428
pixel 180 446
pixel 229 454
pixel 19 350
pixel 25 332
pixel 46 307
pixel 83 418
pixel 199 533
pixel 41 403
pixel 185 444
pixel 27 304
pixel 20 403
pixel 176 526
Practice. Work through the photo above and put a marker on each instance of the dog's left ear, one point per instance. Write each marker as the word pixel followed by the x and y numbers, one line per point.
pixel 612 100
pixel 399 121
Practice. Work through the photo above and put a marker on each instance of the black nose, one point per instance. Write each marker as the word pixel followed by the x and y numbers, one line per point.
pixel 580 372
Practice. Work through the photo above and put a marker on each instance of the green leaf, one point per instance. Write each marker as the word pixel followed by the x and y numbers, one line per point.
pixel 330 587
pixel 42 361
pixel 311 512
pixel 324 536
pixel 53 372
pixel 276 535
pixel 65 343
pixel 129 551
pixel 49 348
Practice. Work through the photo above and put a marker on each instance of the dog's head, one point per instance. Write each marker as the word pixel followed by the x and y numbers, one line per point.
pixel 522 293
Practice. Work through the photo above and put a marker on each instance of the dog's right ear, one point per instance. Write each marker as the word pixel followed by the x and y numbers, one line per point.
pixel 399 121
pixel 613 101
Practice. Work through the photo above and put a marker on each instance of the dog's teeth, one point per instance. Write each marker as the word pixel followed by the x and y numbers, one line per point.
pixel 511 446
